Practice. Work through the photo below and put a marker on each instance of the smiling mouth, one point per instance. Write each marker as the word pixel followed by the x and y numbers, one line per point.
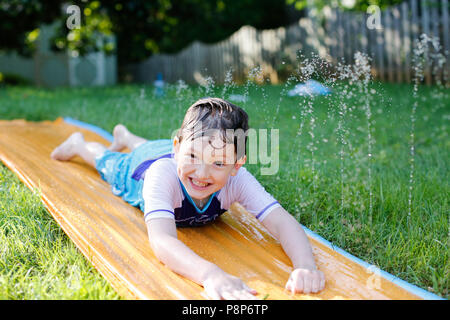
pixel 198 185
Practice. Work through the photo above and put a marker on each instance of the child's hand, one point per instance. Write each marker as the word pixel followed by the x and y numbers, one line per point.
pixel 221 285
pixel 306 281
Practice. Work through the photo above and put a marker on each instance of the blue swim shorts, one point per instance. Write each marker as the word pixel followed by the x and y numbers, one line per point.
pixel 116 168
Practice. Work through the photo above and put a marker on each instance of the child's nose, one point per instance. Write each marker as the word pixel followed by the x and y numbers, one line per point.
pixel 203 171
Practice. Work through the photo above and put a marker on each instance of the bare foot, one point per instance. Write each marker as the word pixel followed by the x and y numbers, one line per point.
pixel 66 150
pixel 120 134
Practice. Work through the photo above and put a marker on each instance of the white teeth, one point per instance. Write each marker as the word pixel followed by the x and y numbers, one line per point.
pixel 198 183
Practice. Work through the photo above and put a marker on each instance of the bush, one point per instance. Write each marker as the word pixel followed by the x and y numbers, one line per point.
pixel 13 80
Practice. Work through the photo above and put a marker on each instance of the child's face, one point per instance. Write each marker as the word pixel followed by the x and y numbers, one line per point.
pixel 204 168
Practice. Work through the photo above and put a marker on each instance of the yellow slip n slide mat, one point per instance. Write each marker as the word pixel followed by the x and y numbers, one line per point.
pixel 113 236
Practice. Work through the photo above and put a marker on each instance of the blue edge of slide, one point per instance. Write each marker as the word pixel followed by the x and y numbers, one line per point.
pixel 401 283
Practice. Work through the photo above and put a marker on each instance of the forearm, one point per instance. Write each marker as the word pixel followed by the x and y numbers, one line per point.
pixel 182 260
pixel 296 245
pixel 293 239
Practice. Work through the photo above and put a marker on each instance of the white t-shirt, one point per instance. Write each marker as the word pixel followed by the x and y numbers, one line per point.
pixel 164 198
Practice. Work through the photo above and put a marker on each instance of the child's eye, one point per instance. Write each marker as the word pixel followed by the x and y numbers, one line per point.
pixel 219 164
pixel 192 158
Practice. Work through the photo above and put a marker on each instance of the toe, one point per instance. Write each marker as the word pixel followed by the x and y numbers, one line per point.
pixel 119 134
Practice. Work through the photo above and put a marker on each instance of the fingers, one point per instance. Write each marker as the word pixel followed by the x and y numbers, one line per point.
pixel 243 293
pixel 322 281
pixel 252 291
pixel 295 283
pixel 307 284
pixel 226 295
pixel 212 294
pixel 306 281
pixel 237 295
pixel 315 283
pixel 248 295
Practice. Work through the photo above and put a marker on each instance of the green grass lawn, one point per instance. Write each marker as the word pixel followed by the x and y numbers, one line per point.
pixel 326 178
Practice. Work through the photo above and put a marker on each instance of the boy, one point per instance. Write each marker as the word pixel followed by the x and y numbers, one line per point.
pixel 190 181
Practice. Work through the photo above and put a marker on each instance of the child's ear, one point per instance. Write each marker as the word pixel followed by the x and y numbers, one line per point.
pixel 176 145
pixel 238 164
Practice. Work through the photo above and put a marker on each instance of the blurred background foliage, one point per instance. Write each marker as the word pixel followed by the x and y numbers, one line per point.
pixel 20 20
pixel 143 27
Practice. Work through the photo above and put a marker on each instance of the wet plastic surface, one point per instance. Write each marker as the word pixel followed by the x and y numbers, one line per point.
pixel 113 236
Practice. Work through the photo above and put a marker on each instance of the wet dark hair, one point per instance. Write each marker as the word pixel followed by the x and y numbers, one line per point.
pixel 209 115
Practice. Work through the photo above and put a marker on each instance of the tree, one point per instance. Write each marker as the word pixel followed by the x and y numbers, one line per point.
pixel 20 20
pixel 141 27
pixel 145 27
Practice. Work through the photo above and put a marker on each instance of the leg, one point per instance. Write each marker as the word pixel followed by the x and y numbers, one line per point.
pixel 124 138
pixel 76 146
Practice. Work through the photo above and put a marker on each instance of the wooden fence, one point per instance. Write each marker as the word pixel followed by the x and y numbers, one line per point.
pixel 336 37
